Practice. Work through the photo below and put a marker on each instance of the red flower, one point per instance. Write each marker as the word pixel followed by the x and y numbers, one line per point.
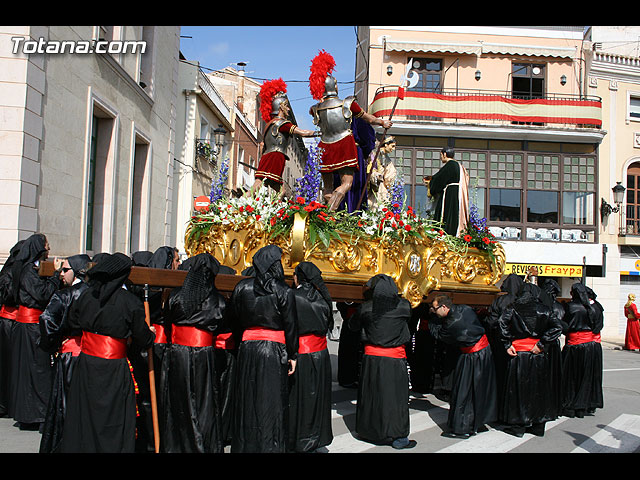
pixel 486 240
pixel 309 208
pixel 407 227
pixel 295 207
pixel 273 221
pixel 249 208
pixel 241 209
pixel 300 200
pixel 360 224
pixel 257 217
pixel 322 218
pixel 396 205
pixel 467 238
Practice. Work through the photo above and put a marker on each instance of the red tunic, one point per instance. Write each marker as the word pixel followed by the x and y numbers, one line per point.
pixel 271 164
pixel 632 336
pixel 343 153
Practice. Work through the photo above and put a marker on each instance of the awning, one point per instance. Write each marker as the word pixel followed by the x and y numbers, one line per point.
pixel 463 48
pixel 479 48
pixel 528 50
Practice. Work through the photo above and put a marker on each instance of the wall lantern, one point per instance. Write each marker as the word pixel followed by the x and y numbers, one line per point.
pixel 478 74
pixel 219 134
pixel 389 70
pixel 618 198
pixel 563 80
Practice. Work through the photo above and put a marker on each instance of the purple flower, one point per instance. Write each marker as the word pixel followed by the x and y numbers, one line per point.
pixel 309 185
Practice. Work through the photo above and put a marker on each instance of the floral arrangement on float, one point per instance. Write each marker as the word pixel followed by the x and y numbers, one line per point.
pixel 389 238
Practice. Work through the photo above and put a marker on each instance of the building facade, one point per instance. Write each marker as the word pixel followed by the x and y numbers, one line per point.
pixel 205 127
pixel 614 75
pixel 88 136
pixel 520 107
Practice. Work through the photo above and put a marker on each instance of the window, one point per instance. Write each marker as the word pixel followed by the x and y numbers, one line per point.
pixel 527 80
pixel 545 195
pixel 99 213
pixel 138 233
pixel 634 106
pixel 429 74
pixel 91 184
pixel 504 205
pixel 542 207
pixel 633 199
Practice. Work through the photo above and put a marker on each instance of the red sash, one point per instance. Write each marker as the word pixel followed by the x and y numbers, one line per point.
pixel 103 346
pixel 391 352
pixel 72 345
pixel 8 312
pixel 479 345
pixel 161 334
pixel 191 336
pixel 576 338
pixel 258 333
pixel 28 315
pixel 224 341
pixel 524 344
pixel 312 343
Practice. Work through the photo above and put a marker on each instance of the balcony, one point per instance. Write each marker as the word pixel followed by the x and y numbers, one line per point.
pixel 489 108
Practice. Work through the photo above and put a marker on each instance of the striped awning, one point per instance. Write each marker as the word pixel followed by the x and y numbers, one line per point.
pixel 489 107
pixel 462 48
pixel 479 48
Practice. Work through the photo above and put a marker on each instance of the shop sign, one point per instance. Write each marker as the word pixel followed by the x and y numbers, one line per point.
pixel 544 270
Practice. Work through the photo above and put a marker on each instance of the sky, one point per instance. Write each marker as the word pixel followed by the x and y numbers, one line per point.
pixel 276 52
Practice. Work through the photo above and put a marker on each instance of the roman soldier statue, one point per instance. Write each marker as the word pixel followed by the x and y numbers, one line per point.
pixel 275 110
pixel 333 117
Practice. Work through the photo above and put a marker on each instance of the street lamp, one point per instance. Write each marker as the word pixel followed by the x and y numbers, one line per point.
pixel 218 135
pixel 618 198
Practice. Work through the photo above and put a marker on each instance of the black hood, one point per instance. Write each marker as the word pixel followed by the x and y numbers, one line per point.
pixel 268 269
pixel 199 282
pixel 108 276
pixel 384 294
pixel 79 264
pixel 162 258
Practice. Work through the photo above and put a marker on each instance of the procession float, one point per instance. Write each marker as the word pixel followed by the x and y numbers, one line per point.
pixel 349 248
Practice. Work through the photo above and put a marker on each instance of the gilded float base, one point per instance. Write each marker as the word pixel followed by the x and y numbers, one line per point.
pixel 418 266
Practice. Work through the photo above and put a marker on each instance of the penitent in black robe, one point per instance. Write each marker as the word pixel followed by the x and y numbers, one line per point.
pixel 581 363
pixel 310 385
pixel 382 413
pixel 101 409
pixel 32 372
pixel 511 287
pixel 53 331
pixel 8 312
pixel 448 175
pixel 192 403
pixel 473 400
pixel 529 397
pixel 265 301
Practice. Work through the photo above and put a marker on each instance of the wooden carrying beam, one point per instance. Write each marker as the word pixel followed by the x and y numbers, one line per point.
pixel 156 277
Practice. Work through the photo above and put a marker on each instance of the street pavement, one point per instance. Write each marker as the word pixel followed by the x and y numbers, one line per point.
pixel 614 428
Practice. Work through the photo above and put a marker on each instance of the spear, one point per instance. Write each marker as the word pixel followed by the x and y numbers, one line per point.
pixel 400 96
pixel 152 375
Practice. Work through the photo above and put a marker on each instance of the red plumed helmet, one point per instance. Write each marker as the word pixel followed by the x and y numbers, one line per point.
pixel 268 91
pixel 321 66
